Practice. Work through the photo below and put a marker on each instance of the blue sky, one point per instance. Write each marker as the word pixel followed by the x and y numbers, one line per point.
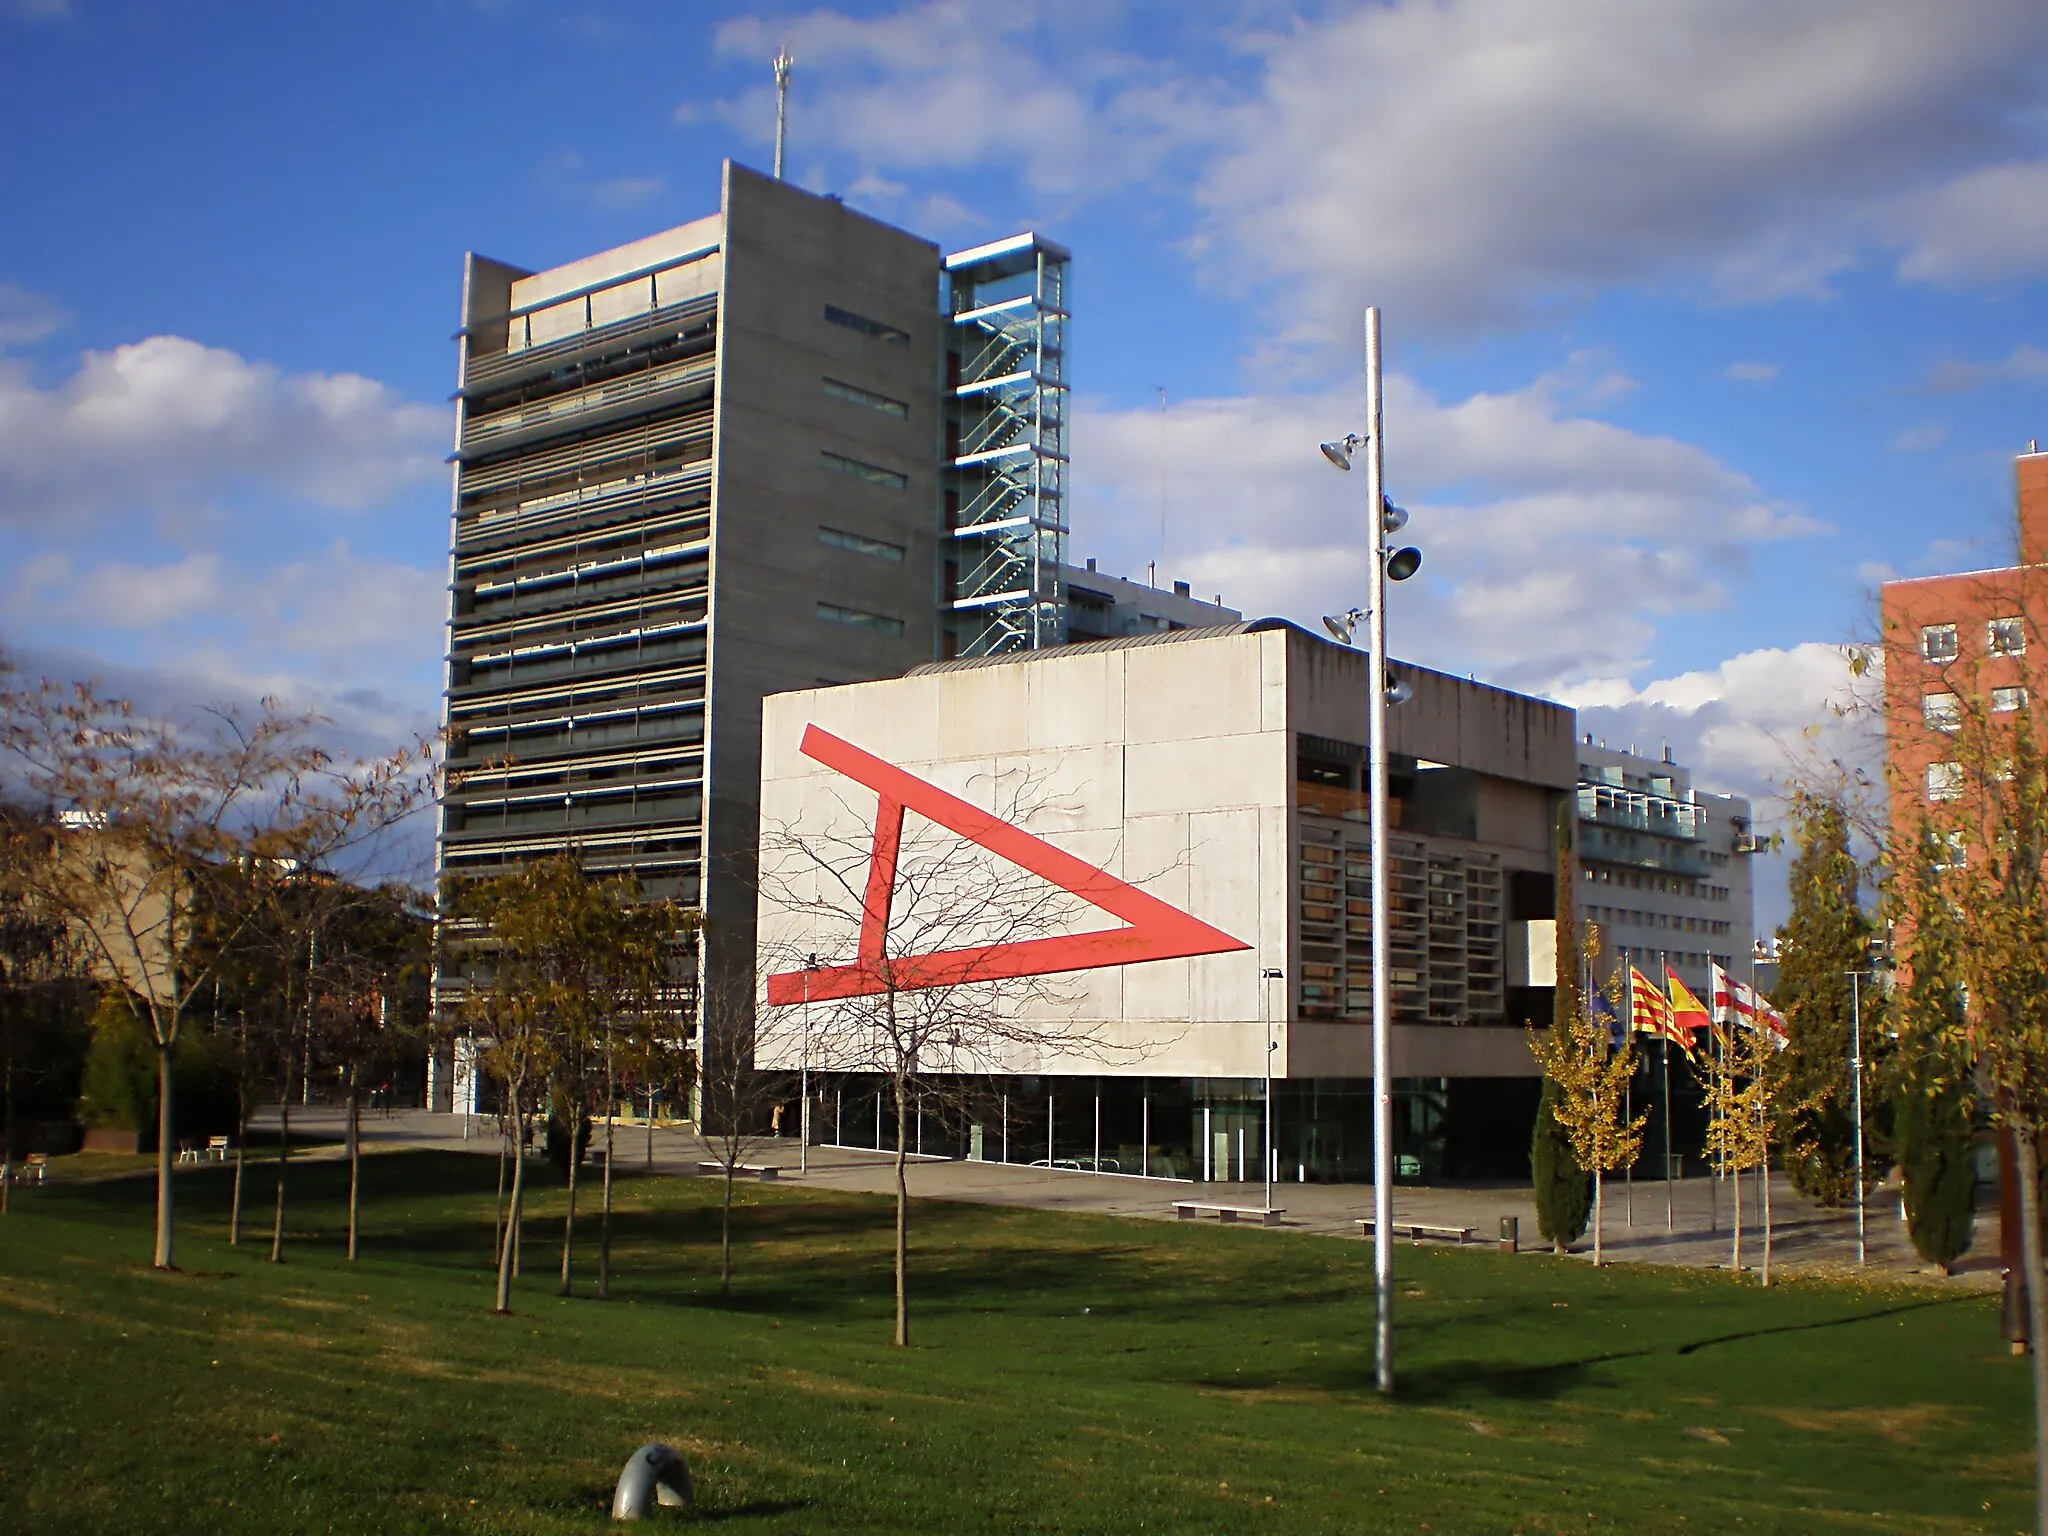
pixel 1701 317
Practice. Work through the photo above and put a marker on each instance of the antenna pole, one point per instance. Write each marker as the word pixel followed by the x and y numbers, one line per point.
pixel 783 61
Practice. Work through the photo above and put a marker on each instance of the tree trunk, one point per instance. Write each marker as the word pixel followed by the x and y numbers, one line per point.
pixel 1764 1200
pixel 284 1144
pixel 604 1218
pixel 1598 1212
pixel 498 1217
pixel 241 1132
pixel 1735 1186
pixel 508 1246
pixel 7 1126
pixel 355 1160
pixel 725 1228
pixel 2027 1144
pixel 569 1216
pixel 166 1149
pixel 902 1339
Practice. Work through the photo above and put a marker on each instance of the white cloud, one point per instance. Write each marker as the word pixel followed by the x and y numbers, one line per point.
pixel 26 318
pixel 2025 362
pixel 1466 162
pixel 1751 373
pixel 941 84
pixel 164 420
pixel 1989 224
pixel 1554 542
pixel 1760 725
pixel 1920 439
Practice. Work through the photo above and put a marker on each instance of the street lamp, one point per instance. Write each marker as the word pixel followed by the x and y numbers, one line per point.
pixel 1266 976
pixel 1856 1098
pixel 1384 688
pixel 803 1117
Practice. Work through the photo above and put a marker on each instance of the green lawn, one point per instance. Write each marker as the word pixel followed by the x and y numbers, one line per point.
pixel 1070 1374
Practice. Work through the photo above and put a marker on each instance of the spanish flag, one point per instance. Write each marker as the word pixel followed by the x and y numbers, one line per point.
pixel 1688 1013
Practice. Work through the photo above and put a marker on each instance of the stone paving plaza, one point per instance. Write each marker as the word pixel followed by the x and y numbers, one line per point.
pixel 1696 1231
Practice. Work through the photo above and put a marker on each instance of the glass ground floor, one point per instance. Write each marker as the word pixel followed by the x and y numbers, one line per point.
pixel 1204 1129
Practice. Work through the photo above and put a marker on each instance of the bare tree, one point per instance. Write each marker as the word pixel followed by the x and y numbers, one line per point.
pixel 917 955
pixel 736 1099
pixel 564 959
pixel 158 821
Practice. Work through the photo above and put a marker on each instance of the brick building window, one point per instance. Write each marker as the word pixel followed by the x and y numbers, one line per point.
pixel 2006 637
pixel 1938 642
pixel 1942 712
pixel 1950 851
pixel 2008 701
pixel 1944 781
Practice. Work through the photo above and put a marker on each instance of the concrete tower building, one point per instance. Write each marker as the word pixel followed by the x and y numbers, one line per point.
pixel 690 471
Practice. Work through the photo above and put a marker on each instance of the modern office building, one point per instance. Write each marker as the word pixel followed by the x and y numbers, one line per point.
pixel 780 447
pixel 1221 771
pixel 1664 867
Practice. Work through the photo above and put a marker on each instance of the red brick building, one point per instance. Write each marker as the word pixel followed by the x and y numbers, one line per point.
pixel 1961 653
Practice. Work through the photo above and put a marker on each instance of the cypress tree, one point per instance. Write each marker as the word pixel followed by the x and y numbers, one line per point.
pixel 1563 1189
pixel 1935 1101
pixel 1826 937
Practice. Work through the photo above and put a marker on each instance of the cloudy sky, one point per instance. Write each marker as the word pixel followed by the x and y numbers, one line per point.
pixel 1702 317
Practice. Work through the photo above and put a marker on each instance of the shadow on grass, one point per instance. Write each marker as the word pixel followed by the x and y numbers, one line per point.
pixel 1827 1322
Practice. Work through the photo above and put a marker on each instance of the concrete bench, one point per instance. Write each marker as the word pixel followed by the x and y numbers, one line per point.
pixel 1189 1210
pixel 766 1173
pixel 1416 1231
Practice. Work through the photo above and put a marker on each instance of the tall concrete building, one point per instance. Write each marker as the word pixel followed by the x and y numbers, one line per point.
pixel 782 446
pixel 1664 867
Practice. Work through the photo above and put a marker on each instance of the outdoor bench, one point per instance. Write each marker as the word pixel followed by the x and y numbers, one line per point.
pixel 767 1173
pixel 1188 1210
pixel 1416 1231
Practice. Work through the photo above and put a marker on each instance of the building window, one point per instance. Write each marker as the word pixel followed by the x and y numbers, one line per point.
pixel 880 330
pixel 839 538
pixel 2005 637
pixel 1950 851
pixel 859 619
pixel 874 474
pixel 2008 701
pixel 1944 781
pixel 2002 770
pixel 1942 712
pixel 1938 642
pixel 853 394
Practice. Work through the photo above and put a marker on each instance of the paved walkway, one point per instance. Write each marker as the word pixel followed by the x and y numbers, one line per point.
pixel 1696 1232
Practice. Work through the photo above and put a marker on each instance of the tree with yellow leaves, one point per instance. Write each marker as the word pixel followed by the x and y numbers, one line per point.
pixel 1591 1076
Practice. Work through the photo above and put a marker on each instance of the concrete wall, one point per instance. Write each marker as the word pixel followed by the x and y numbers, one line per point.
pixel 1171 764
pixel 1168 765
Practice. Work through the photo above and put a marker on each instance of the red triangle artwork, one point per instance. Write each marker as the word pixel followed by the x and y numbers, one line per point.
pixel 1154 929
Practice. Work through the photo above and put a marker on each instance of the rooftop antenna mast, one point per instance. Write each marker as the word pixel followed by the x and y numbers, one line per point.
pixel 783 61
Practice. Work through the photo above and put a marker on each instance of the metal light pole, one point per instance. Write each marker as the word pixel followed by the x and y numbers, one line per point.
pixel 1382 1054
pixel 1267 976
pixel 1856 1099
pixel 803 1118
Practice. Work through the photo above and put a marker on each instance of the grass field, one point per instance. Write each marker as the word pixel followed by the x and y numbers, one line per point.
pixel 1070 1374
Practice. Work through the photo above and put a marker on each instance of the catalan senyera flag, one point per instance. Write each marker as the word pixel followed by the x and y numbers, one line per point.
pixel 1688 1014
pixel 1649 1010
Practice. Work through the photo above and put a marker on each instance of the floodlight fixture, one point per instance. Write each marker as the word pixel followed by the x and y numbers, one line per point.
pixel 1339 453
pixel 1392 518
pixel 1343 625
pixel 1398 689
pixel 1403 563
